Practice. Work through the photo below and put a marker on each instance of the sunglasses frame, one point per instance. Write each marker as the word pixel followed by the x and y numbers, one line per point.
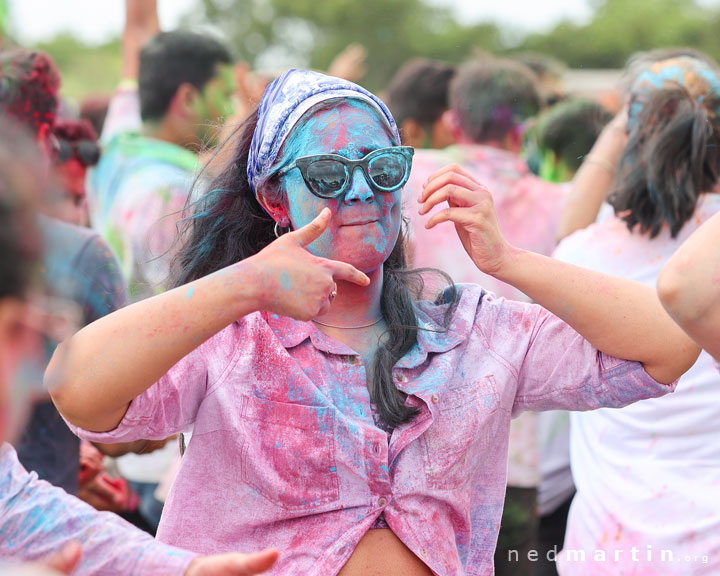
pixel 349 165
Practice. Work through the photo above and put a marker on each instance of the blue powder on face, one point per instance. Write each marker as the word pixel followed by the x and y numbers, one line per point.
pixel 190 292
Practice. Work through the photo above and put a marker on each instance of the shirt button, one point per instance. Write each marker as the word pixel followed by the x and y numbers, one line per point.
pixel 355 360
pixel 423 552
pixel 401 378
pixel 376 448
pixel 382 502
pixel 434 398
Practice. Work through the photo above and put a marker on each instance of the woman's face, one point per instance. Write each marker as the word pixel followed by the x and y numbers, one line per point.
pixel 365 223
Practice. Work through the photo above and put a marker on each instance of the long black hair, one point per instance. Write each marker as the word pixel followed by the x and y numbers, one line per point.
pixel 670 159
pixel 228 224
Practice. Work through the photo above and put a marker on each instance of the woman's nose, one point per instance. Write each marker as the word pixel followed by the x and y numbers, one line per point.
pixel 359 191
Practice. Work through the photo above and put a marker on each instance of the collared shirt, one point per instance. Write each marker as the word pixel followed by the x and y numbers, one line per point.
pixel 647 476
pixel 528 211
pixel 285 453
pixel 37 520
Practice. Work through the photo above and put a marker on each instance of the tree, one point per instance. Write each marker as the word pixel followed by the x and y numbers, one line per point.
pixel 312 32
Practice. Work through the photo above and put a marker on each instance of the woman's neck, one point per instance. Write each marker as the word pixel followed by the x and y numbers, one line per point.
pixel 355 305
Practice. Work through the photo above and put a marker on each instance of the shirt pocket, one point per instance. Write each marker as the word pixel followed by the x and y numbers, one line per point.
pixel 460 437
pixel 288 453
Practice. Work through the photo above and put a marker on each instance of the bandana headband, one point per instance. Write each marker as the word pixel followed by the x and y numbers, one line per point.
pixel 285 101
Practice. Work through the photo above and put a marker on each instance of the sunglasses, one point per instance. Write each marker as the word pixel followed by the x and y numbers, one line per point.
pixel 330 175
pixel 86 151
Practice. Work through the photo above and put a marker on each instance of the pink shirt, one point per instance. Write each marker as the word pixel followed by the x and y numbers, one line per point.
pixel 284 451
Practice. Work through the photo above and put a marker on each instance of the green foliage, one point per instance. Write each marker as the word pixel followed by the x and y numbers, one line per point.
pixel 85 69
pixel 312 32
pixel 621 27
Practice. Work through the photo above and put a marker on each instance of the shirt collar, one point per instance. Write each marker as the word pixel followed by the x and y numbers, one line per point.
pixel 432 337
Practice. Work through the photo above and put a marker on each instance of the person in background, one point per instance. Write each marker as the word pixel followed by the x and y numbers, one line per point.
pixel 82 272
pixel 155 127
pixel 587 199
pixel 630 465
pixel 563 135
pixel 77 149
pixel 39 522
pixel 490 101
pixel 561 138
pixel 94 109
pixel 418 99
pixel 689 289
pixel 550 73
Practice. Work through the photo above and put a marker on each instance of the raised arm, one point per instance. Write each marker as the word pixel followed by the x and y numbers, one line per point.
pixel 619 317
pixel 141 25
pixel 689 286
pixel 593 180
pixel 94 375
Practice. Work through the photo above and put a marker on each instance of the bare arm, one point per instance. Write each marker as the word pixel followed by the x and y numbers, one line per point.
pixel 619 317
pixel 594 178
pixel 689 286
pixel 94 375
pixel 141 24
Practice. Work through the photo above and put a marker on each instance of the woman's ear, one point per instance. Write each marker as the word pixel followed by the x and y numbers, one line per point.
pixel 452 123
pixel 277 211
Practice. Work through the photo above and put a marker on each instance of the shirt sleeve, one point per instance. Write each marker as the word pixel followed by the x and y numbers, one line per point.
pixel 123 115
pixel 104 287
pixel 170 406
pixel 557 369
pixel 37 520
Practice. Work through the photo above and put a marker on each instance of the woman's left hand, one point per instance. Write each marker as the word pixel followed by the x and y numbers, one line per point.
pixel 470 207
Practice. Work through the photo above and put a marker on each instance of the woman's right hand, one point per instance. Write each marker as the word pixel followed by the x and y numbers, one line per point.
pixel 291 281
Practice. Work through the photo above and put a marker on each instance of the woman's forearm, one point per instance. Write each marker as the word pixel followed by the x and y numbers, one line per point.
pixel 593 180
pixel 94 375
pixel 619 317
pixel 689 286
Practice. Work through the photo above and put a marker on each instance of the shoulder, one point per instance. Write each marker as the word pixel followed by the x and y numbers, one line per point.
pixel 475 308
pixel 582 245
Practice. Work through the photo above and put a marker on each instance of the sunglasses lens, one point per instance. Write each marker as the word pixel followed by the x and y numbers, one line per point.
pixel 388 171
pixel 64 151
pixel 88 152
pixel 326 177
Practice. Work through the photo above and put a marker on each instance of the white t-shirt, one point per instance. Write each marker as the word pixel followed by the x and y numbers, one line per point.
pixel 648 475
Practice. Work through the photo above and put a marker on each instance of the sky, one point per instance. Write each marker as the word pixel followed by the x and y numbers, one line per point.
pixel 98 20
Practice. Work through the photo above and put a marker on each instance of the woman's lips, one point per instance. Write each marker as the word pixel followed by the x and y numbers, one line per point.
pixel 360 222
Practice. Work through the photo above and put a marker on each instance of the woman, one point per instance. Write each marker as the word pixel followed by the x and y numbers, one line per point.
pixel 647 475
pixel 359 430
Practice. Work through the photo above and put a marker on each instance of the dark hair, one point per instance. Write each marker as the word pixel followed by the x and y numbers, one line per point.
pixel 171 59
pixel 94 109
pixel 670 159
pixel 569 129
pixel 74 130
pixel 419 91
pixel 29 84
pixel 228 225
pixel 492 97
pixel 20 189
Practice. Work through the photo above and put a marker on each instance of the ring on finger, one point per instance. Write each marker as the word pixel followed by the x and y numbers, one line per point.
pixel 333 292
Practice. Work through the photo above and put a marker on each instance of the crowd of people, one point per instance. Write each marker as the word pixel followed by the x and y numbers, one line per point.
pixel 273 322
